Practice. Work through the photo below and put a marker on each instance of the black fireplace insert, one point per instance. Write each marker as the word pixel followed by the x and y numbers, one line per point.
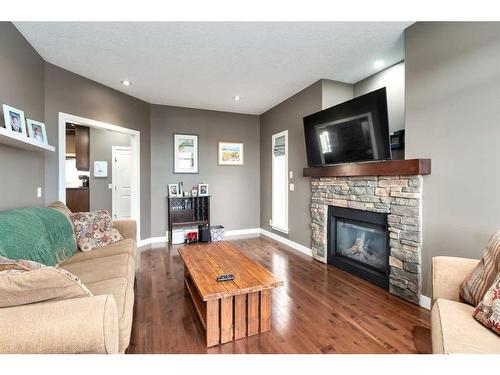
pixel 358 242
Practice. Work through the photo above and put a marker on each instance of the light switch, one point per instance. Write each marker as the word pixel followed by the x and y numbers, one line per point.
pixel 110 186
pixel 291 174
pixel 292 187
pixel 38 192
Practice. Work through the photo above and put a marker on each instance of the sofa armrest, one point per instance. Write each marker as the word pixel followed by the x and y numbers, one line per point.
pixel 79 325
pixel 448 273
pixel 127 228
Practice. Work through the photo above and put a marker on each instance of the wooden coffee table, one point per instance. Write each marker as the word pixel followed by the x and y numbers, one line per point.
pixel 228 310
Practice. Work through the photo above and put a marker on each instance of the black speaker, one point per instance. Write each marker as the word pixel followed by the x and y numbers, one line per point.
pixel 203 233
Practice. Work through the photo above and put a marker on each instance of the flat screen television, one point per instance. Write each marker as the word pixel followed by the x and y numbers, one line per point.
pixel 356 130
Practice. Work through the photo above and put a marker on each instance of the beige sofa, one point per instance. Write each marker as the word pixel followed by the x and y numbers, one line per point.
pixel 98 324
pixel 453 329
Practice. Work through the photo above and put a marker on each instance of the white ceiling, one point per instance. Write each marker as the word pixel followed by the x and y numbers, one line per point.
pixel 205 64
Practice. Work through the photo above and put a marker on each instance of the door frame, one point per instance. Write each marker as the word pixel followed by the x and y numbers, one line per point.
pixel 113 186
pixel 135 146
pixel 274 136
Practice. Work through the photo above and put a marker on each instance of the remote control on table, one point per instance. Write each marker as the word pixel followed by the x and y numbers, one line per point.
pixel 228 277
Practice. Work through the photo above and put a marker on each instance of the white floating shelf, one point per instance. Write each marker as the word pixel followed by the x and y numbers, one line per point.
pixel 18 140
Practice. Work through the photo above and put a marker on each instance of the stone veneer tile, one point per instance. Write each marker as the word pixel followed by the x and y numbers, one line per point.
pixel 398 196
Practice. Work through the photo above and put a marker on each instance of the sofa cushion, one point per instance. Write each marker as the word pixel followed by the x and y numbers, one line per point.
pixel 94 229
pixel 454 330
pixel 126 246
pixel 488 311
pixel 92 270
pixel 122 290
pixel 25 282
pixel 476 284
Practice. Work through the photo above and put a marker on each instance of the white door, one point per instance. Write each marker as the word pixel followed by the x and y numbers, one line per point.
pixel 279 220
pixel 122 182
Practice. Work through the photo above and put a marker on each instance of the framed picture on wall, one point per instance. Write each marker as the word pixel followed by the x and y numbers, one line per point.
pixel 14 119
pixel 185 153
pixel 230 153
pixel 36 130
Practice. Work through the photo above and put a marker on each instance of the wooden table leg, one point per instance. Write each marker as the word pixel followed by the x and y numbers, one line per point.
pixel 265 310
pixel 213 330
pixel 226 319
pixel 240 316
pixel 253 313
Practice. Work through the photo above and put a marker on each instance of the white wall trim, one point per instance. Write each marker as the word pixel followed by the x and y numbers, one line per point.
pixel 286 241
pixel 241 232
pixel 151 240
pixel 425 302
pixel 135 142
pixel 229 233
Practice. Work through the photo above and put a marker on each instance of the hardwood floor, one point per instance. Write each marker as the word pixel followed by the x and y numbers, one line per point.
pixel 319 310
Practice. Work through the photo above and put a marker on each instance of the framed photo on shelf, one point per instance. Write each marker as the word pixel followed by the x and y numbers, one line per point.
pixel 173 190
pixel 36 130
pixel 185 153
pixel 14 119
pixel 230 153
pixel 203 190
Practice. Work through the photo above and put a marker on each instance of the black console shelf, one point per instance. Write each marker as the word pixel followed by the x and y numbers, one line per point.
pixel 187 211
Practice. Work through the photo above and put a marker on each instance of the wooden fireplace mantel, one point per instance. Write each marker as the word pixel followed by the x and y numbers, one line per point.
pixel 376 168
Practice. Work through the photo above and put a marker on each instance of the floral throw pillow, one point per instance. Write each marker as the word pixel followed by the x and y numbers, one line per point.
pixel 488 310
pixel 94 229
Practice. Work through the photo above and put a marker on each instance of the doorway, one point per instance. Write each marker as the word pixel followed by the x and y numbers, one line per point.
pixel 133 206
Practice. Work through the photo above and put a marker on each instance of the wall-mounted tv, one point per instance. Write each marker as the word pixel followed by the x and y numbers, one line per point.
pixel 356 130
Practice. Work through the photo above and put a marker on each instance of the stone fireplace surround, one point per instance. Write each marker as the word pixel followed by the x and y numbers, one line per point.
pixel 400 197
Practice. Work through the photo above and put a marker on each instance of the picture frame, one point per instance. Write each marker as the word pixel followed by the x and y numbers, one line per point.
pixel 173 190
pixel 37 131
pixel 186 153
pixel 230 153
pixel 14 119
pixel 203 190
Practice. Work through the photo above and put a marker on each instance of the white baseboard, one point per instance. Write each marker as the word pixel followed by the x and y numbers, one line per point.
pixel 425 302
pixel 229 233
pixel 151 240
pixel 242 232
pixel 286 241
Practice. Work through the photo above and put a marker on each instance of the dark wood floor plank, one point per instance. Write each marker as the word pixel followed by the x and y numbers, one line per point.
pixel 320 309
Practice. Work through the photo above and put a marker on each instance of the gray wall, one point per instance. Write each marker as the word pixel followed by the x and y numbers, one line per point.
pixel 101 143
pixel 334 92
pixel 22 87
pixel 393 79
pixel 234 190
pixel 453 117
pixel 70 93
pixel 289 115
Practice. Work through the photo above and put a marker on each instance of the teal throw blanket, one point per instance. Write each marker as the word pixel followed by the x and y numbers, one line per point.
pixel 43 235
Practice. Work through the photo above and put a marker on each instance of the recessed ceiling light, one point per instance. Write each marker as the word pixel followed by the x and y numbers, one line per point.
pixel 378 64
pixel 237 97
pixel 126 83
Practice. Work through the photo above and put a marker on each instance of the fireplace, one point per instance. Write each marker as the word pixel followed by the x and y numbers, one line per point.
pixel 358 242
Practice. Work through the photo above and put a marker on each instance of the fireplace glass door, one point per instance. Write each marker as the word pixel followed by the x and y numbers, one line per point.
pixel 363 243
